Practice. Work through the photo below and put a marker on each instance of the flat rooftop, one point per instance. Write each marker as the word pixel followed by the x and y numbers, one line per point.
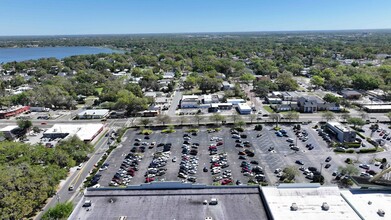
pixel 233 203
pixel 368 202
pixel 309 201
pixel 339 126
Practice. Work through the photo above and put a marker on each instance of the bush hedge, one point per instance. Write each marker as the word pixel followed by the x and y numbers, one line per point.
pixel 367 150
pixel 350 151
pixel 352 145
pixel 361 135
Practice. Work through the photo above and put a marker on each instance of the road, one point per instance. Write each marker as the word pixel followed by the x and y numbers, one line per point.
pixel 77 178
pixel 175 102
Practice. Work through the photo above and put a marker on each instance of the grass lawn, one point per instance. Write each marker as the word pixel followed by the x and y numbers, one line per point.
pixel 194 91
pixel 268 109
pixel 99 90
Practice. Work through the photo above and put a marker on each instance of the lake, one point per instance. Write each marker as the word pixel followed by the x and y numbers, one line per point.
pixel 22 54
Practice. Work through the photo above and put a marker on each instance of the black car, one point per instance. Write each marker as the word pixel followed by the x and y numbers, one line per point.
pixel 242 157
pixel 328 159
pixel 205 169
pixel 299 162
pixel 254 162
pixel 327 166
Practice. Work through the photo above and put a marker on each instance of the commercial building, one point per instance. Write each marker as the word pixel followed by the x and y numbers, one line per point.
pixel 10 132
pixel 190 101
pixel 244 109
pixel 85 132
pixel 377 108
pixel 14 111
pixel 93 114
pixel 368 203
pixel 341 132
pixel 235 101
pixel 310 104
pixel 172 200
pixel 306 201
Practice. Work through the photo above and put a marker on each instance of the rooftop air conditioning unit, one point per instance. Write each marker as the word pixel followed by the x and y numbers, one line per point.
pixel 325 206
pixel 294 207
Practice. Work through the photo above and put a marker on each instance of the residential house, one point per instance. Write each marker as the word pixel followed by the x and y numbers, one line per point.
pixel 350 94
pixel 227 86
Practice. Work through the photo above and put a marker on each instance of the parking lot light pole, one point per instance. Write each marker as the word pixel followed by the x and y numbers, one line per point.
pixel 321 166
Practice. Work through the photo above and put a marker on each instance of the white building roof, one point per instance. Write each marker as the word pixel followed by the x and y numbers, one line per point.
pixel 235 100
pixel 101 112
pixel 82 131
pixel 9 128
pixel 378 200
pixel 189 97
pixel 338 126
pixel 377 107
pixel 309 201
pixel 244 106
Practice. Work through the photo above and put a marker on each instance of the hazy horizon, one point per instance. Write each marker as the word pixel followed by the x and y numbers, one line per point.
pixel 89 17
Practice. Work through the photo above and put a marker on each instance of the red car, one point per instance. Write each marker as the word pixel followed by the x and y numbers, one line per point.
pixel 226 181
pixel 220 143
pixel 148 180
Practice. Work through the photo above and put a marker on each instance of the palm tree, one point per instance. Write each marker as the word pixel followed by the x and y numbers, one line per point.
pixel 198 118
pixel 275 117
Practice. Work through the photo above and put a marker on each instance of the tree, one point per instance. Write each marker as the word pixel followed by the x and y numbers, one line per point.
pixel 331 98
pixel 252 117
pixel 275 117
pixel 59 211
pixel 217 118
pixel 182 119
pixel 286 82
pixel 240 123
pixel 198 118
pixel 36 129
pixel 163 119
pixel 290 172
pixel 317 81
pixel 389 115
pixel 236 117
pixel 366 81
pixel 247 78
pixel 328 116
pixel 363 115
pixel 145 121
pixel 292 115
pixel 349 170
pixel 24 124
pixel 263 87
pixel 356 122
pixel 345 116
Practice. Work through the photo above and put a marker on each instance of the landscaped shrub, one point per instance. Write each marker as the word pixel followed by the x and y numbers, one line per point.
pixel 367 150
pixel 258 127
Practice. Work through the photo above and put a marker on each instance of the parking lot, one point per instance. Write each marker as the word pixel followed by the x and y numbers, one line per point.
pixel 270 151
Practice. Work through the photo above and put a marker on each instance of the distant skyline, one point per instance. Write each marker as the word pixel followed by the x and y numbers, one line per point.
pixel 78 17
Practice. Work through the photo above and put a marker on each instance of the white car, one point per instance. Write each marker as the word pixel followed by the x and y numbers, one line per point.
pixel 80 166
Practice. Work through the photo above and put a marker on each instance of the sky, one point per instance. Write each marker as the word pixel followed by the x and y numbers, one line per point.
pixel 72 17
